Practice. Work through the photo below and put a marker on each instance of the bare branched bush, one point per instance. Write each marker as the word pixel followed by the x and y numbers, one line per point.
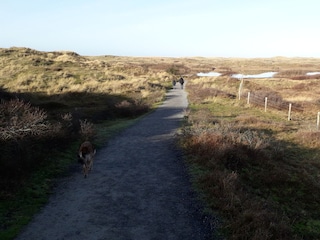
pixel 87 130
pixel 254 139
pixel 66 117
pixel 19 119
pixel 66 122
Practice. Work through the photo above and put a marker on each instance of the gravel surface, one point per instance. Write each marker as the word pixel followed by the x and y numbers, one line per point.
pixel 138 188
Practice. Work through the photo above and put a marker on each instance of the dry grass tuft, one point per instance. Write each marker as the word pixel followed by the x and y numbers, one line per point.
pixel 256 169
pixel 310 139
pixel 87 131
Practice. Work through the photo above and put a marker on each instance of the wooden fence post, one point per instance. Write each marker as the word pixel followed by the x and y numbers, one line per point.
pixel 240 87
pixel 265 103
pixel 289 113
pixel 248 100
pixel 318 120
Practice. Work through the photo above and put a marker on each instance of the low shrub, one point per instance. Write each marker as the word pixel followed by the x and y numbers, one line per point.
pixel 229 156
pixel 26 137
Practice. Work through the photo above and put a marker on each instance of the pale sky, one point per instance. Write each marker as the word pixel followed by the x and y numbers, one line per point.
pixel 167 28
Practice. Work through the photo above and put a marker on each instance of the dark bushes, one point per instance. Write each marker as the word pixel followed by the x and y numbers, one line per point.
pixel 131 109
pixel 231 157
pixel 27 140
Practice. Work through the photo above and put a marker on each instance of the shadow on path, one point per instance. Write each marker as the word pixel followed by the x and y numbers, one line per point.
pixel 138 189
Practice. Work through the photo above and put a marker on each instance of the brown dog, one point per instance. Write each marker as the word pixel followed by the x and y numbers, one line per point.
pixel 85 157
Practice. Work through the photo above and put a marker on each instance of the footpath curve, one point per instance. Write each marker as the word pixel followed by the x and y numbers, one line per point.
pixel 138 188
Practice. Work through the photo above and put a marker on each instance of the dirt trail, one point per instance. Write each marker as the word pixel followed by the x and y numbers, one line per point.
pixel 138 188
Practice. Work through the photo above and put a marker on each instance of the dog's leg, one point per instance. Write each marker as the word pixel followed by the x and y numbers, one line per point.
pixel 84 170
pixel 91 164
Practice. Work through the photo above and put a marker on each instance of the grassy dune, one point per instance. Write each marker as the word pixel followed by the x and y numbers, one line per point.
pixel 256 170
pixel 50 102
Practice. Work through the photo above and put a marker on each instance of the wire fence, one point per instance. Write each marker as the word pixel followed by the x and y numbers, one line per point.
pixel 273 101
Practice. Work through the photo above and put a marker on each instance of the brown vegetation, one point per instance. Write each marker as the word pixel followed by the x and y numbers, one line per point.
pixel 51 99
pixel 255 169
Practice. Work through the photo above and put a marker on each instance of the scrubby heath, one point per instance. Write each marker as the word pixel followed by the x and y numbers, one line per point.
pixel 256 170
pixel 50 103
pixel 46 95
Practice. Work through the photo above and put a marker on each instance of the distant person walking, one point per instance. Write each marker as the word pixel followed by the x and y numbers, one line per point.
pixel 174 83
pixel 181 81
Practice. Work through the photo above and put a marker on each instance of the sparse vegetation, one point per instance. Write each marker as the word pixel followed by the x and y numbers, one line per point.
pixel 255 169
pixel 258 172
pixel 50 102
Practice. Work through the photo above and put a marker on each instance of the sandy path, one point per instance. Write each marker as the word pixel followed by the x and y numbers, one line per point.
pixel 138 188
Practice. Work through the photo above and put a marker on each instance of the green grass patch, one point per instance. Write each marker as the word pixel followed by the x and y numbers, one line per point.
pixel 250 169
pixel 18 209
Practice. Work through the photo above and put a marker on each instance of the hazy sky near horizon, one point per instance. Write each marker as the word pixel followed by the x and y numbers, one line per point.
pixel 168 28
